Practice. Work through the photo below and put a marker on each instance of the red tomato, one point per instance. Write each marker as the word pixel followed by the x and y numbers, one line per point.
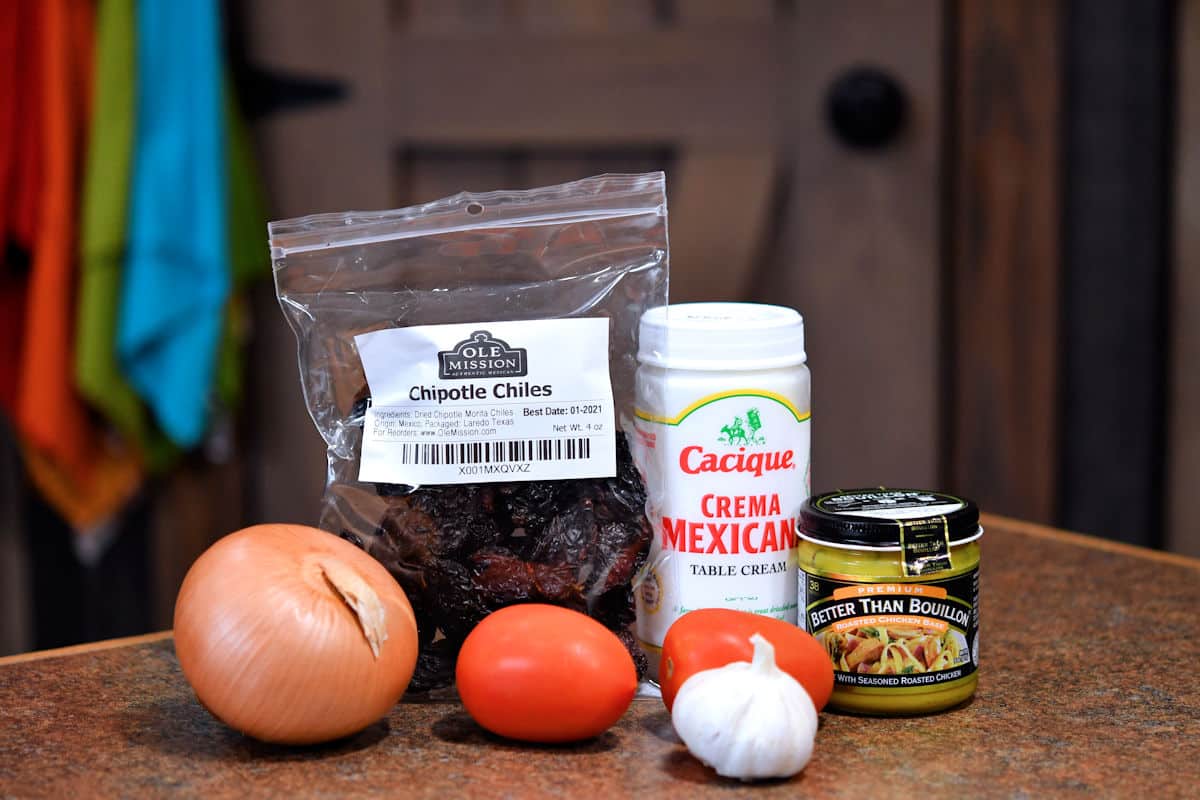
pixel 708 638
pixel 545 674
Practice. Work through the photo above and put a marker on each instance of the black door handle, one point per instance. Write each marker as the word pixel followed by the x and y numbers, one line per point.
pixel 866 107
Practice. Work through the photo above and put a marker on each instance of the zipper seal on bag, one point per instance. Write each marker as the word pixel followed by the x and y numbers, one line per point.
pixel 353 229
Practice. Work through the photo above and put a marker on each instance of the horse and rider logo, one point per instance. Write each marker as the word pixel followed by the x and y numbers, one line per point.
pixel 743 431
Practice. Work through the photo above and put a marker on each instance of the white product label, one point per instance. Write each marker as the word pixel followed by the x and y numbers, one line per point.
pixel 726 478
pixel 488 402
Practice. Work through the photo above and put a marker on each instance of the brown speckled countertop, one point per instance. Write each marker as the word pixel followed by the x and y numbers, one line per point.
pixel 1090 687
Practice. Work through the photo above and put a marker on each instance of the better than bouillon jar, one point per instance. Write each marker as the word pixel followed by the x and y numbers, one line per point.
pixel 722 434
pixel 889 584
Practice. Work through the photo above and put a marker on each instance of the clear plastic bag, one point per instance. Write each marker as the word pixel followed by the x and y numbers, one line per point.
pixel 458 278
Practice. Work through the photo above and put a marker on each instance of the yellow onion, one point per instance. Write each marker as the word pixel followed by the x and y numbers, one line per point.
pixel 290 634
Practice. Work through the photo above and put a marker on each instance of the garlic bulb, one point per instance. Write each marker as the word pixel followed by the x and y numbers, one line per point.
pixel 747 720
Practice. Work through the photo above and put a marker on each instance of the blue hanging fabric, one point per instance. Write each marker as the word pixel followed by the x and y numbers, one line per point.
pixel 176 280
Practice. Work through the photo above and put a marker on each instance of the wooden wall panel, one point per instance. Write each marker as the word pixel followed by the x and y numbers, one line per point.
pixel 194 506
pixel 456 17
pixel 723 12
pixel 332 157
pixel 1117 97
pixel 1183 432
pixel 428 176
pixel 16 614
pixel 652 87
pixel 587 15
pixel 1005 218
pixel 546 167
pixel 720 207
pixel 860 251
pixel 452 16
pixel 546 170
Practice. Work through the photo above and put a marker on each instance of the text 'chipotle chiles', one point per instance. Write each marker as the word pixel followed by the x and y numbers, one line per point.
pixel 543 673
pixel 292 635
pixel 708 638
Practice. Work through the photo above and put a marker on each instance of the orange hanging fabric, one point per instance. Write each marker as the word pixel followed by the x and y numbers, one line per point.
pixel 86 476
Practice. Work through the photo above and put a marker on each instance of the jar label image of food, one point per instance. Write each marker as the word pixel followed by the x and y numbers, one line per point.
pixel 726 477
pixel 895 635
pixel 488 402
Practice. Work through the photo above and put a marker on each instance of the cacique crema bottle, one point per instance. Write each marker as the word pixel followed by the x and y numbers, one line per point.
pixel 722 436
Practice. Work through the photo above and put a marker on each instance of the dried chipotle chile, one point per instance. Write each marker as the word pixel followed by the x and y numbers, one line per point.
pixel 639 655
pixel 465 517
pixel 463 551
pixel 504 579
pixel 454 598
pixel 435 666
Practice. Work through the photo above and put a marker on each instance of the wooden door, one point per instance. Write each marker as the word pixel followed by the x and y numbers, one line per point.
pixel 766 204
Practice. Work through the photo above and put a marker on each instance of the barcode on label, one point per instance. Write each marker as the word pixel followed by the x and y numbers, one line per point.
pixel 496 452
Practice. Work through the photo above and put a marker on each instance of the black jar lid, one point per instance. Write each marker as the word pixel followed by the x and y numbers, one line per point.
pixel 870 517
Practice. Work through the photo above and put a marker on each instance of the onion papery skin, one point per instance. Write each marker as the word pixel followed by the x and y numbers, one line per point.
pixel 272 649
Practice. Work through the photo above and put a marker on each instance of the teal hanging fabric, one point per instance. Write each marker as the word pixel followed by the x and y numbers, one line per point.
pixel 176 278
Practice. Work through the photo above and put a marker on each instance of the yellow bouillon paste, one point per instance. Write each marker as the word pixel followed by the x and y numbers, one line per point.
pixel 889 584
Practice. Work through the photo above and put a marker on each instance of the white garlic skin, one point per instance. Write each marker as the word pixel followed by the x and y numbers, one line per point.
pixel 747 720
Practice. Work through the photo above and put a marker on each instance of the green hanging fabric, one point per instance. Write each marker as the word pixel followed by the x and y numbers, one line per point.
pixel 103 234
pixel 247 251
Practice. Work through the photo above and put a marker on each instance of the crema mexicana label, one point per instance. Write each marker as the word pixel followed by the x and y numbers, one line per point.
pixel 488 402
pixel 727 475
